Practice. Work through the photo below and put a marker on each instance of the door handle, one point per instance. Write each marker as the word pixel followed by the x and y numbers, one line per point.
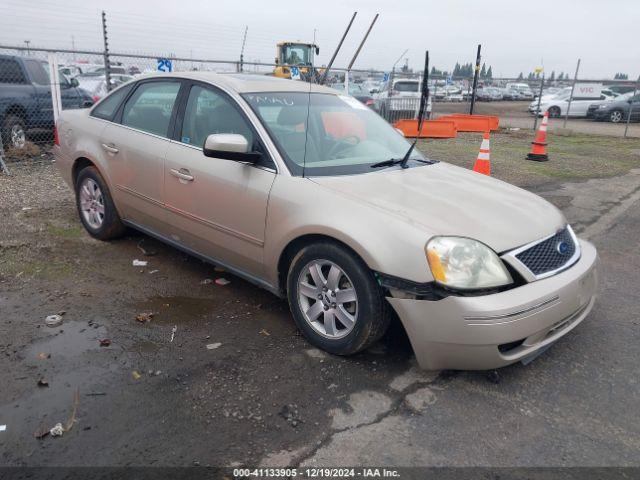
pixel 110 148
pixel 182 174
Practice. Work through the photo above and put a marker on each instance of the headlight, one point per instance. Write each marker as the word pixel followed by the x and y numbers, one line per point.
pixel 464 263
pixel 603 106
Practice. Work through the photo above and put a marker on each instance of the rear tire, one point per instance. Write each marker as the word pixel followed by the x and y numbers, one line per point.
pixel 14 132
pixel 616 116
pixel 96 209
pixel 326 285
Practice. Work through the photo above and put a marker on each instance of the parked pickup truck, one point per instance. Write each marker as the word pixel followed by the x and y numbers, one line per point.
pixel 25 98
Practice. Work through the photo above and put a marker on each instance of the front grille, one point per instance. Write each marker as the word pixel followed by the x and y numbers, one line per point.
pixel 547 255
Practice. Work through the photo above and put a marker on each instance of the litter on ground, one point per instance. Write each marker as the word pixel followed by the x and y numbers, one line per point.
pixel 206 281
pixel 173 333
pixel 57 430
pixel 139 263
pixel 213 346
pixel 144 317
pixel 105 342
pixel 222 281
pixel 53 320
pixel 136 375
pixel 3 428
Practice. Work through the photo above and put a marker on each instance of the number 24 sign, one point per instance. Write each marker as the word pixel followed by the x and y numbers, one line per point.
pixel 165 65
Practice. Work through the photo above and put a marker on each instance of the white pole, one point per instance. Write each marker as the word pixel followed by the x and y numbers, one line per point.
pixel 55 86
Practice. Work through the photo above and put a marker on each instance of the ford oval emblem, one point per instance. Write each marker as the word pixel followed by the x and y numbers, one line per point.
pixel 562 247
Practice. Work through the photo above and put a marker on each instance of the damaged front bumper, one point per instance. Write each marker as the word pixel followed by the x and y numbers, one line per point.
pixel 497 329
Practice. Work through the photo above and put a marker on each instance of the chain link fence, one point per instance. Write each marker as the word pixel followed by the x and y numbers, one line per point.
pixel 85 76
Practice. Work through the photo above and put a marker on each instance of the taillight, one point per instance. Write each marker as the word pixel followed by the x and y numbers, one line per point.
pixel 95 98
pixel 56 140
pixel 369 101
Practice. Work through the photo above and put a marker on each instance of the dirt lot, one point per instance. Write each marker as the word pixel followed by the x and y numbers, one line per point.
pixel 260 395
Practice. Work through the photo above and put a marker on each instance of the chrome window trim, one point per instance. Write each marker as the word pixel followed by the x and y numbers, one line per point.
pixel 510 257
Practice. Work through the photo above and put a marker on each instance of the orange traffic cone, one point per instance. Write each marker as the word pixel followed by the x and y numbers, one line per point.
pixel 483 162
pixel 539 148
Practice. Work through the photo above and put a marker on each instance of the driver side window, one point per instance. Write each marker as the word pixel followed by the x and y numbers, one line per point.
pixel 208 112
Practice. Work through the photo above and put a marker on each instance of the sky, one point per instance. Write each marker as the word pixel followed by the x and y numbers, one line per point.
pixel 516 36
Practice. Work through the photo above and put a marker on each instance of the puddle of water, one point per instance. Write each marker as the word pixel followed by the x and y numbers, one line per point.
pixel 68 340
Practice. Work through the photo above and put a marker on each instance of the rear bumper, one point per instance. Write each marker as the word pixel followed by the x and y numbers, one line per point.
pixel 492 331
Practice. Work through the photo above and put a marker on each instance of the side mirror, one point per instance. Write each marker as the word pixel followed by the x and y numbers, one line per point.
pixel 374 90
pixel 317 50
pixel 276 61
pixel 75 82
pixel 229 146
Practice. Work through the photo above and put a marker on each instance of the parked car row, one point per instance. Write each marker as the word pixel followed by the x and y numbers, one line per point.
pixel 610 106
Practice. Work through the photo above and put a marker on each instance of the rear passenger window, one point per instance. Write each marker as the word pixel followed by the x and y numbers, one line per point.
pixel 149 108
pixel 107 107
pixel 10 71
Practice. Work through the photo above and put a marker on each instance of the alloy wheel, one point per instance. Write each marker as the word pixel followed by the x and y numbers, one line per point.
pixel 17 136
pixel 616 116
pixel 92 203
pixel 327 299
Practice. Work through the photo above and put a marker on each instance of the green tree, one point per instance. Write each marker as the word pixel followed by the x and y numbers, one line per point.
pixel 552 77
pixel 489 72
pixel 483 71
pixel 520 77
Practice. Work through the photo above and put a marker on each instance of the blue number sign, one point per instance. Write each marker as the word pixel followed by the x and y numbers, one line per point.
pixel 165 65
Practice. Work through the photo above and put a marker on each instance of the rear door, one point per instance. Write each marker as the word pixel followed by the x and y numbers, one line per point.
pixel 217 207
pixel 135 147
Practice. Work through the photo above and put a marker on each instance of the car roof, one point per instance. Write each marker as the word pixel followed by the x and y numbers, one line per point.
pixel 245 82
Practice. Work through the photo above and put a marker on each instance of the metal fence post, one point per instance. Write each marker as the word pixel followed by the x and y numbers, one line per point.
pixel 107 63
pixel 635 90
pixel 475 81
pixel 3 165
pixel 535 117
pixel 56 99
pixel 573 86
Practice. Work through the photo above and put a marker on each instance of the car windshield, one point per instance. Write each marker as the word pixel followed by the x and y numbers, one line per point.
pixel 322 134
pixel 354 89
pixel 296 55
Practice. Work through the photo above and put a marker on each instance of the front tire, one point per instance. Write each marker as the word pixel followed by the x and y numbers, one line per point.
pixel 555 112
pixel 97 211
pixel 335 299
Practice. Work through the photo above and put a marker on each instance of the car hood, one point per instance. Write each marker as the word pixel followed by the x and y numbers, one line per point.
pixel 444 199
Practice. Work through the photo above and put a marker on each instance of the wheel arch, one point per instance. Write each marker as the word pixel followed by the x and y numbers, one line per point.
pixel 290 250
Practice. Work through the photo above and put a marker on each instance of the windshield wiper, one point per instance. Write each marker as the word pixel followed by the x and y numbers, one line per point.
pixel 397 161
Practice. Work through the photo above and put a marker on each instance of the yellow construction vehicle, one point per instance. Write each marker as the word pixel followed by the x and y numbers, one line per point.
pixel 295 54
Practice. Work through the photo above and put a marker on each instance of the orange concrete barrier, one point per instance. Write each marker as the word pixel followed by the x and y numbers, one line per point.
pixel 494 121
pixel 472 123
pixel 430 128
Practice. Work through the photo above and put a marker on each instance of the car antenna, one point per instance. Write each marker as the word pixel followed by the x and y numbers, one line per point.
pixel 424 97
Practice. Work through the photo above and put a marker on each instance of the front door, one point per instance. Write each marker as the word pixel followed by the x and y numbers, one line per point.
pixel 135 147
pixel 217 207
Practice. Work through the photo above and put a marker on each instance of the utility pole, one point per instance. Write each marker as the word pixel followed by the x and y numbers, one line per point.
pixel 244 40
pixel 573 86
pixel 475 81
pixel 333 57
pixel 27 42
pixel 107 64
pixel 73 46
